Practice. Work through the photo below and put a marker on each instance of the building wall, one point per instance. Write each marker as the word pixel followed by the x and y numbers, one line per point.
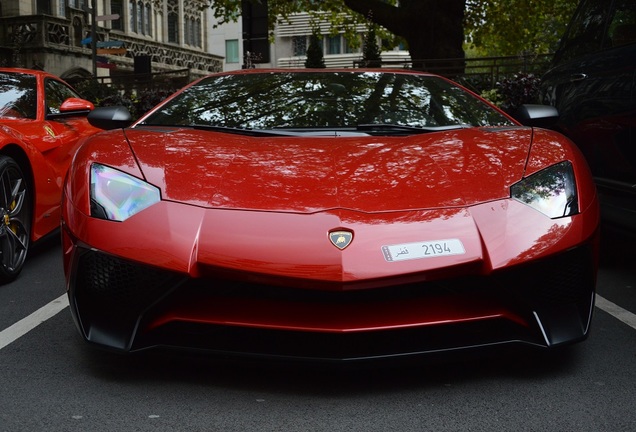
pixel 217 38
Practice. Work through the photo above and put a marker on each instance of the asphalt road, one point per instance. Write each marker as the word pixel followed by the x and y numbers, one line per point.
pixel 51 381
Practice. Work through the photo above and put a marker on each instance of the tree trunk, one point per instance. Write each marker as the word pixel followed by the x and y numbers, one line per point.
pixel 433 30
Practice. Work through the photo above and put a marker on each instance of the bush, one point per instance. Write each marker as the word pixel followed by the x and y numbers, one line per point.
pixel 371 53
pixel 511 93
pixel 315 57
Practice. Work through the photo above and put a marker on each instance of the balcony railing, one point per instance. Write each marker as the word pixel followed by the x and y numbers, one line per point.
pixel 43 33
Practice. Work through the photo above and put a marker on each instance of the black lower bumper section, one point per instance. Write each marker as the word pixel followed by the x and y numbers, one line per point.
pixel 564 324
pixel 113 298
pixel 339 346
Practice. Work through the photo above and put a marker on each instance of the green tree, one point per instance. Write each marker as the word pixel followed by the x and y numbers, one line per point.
pixel 315 56
pixel 513 27
pixel 371 53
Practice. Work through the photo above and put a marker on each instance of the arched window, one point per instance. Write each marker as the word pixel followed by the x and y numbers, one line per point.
pixel 116 7
pixel 186 30
pixel 173 21
pixel 193 41
pixel 78 28
pixel 199 41
pixel 148 20
pixel 192 23
pixel 141 17
pixel 132 9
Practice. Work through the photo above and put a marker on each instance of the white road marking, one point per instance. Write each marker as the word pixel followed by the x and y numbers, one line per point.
pixel 616 311
pixel 25 325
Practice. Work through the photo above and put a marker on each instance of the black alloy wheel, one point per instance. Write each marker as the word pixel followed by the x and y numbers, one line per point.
pixel 15 219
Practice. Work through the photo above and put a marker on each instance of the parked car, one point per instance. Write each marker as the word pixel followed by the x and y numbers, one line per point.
pixel 328 214
pixel 42 121
pixel 592 83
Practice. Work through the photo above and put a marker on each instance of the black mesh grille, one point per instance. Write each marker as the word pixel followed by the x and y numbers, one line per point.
pixel 564 279
pixel 108 279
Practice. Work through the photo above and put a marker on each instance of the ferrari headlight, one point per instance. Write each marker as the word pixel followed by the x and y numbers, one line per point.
pixel 552 191
pixel 117 196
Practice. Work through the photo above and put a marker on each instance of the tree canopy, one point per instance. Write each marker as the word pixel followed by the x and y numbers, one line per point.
pixel 513 27
pixel 433 29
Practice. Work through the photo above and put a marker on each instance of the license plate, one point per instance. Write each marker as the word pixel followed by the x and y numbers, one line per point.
pixel 424 249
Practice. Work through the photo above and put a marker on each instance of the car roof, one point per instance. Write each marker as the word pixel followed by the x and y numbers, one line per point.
pixel 28 71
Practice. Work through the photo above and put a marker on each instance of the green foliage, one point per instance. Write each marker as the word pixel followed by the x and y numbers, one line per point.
pixel 371 53
pixel 514 27
pixel 315 56
pixel 493 96
pixel 510 93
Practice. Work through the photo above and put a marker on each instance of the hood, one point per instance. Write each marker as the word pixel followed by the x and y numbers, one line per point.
pixel 311 174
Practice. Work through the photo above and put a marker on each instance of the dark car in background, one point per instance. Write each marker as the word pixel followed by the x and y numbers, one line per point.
pixel 592 84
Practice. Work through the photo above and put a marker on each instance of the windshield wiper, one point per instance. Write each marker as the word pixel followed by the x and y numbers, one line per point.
pixel 224 129
pixel 388 127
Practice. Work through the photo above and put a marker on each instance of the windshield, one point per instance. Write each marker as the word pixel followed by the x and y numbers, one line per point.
pixel 18 95
pixel 325 100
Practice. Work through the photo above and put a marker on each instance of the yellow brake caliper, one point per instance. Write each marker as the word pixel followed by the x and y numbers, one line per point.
pixel 7 221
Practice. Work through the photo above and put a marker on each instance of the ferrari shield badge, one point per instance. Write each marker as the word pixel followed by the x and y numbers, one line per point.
pixel 49 131
pixel 340 239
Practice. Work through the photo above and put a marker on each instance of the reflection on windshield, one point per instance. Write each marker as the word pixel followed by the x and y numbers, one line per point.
pixel 18 96
pixel 325 100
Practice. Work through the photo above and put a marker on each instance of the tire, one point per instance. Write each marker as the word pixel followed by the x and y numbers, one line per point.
pixel 15 219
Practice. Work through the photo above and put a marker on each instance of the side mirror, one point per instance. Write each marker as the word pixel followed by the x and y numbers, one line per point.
pixel 76 105
pixel 537 115
pixel 71 107
pixel 110 117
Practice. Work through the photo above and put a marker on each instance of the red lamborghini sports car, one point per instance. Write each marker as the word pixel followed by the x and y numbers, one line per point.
pixel 42 120
pixel 328 215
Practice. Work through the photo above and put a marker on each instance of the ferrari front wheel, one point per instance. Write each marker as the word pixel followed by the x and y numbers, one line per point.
pixel 15 219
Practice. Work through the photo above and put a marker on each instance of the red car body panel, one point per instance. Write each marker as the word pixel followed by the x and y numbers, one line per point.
pixel 280 171
pixel 49 146
pixel 259 211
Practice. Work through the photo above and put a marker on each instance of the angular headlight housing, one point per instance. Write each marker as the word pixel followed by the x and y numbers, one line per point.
pixel 552 191
pixel 117 196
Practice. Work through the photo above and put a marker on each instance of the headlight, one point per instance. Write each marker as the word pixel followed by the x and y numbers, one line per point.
pixel 552 191
pixel 117 196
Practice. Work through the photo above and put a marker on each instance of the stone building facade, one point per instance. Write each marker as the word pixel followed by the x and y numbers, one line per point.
pixel 132 36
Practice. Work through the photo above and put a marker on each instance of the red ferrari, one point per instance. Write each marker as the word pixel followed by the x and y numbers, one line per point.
pixel 329 215
pixel 42 120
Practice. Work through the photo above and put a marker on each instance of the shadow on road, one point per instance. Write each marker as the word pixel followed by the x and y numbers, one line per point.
pixel 328 379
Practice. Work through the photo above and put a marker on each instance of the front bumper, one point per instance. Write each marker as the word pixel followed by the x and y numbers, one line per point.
pixel 125 306
pixel 219 281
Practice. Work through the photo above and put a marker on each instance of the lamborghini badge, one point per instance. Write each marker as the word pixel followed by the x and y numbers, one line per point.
pixel 340 239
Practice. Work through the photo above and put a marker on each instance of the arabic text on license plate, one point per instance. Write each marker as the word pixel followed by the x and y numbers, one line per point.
pixel 424 249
